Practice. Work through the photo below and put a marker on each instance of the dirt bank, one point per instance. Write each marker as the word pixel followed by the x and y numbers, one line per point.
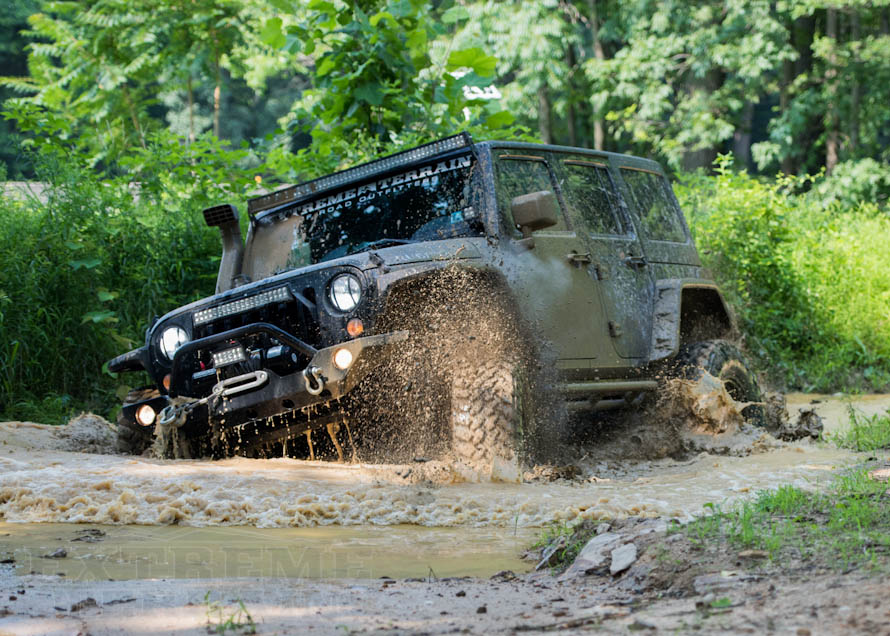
pixel 732 599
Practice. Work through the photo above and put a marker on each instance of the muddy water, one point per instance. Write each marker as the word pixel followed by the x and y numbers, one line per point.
pixel 141 552
pixel 296 518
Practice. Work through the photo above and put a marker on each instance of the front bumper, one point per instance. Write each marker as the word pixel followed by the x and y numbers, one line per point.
pixel 271 394
pixel 265 393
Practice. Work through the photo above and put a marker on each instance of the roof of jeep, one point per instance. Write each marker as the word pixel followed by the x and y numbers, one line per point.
pixel 441 148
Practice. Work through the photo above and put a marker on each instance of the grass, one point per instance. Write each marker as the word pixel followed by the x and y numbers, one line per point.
pixel 866 432
pixel 221 621
pixel 807 279
pixel 565 540
pixel 846 526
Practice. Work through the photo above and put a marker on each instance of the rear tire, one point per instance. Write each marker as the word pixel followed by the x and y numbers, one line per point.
pixel 725 362
pixel 132 438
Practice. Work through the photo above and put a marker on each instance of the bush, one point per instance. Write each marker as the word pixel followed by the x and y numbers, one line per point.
pixel 807 279
pixel 83 275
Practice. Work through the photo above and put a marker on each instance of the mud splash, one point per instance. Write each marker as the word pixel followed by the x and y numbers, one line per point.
pixel 39 485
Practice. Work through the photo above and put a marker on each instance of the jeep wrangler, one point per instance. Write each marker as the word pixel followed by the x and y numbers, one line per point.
pixel 444 287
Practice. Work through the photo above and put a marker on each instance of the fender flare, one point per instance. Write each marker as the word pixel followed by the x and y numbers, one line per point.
pixel 680 302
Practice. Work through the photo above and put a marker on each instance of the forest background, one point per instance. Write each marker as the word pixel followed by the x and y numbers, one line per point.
pixel 774 117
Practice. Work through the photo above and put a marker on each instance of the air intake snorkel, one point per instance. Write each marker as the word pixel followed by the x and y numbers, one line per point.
pixel 225 217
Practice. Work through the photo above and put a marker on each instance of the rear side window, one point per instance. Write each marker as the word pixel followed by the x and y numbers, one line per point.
pixel 659 213
pixel 522 174
pixel 590 194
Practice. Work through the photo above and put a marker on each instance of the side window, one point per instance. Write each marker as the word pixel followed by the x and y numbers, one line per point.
pixel 522 174
pixel 658 210
pixel 591 195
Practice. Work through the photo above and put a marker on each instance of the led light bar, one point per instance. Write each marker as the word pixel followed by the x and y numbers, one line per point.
pixel 280 295
pixel 229 356
pixel 286 195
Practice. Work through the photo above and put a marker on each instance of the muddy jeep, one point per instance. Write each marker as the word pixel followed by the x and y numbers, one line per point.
pixel 434 295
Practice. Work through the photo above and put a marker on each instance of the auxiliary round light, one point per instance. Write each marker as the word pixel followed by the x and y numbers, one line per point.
pixel 342 359
pixel 145 415
pixel 172 339
pixel 355 327
pixel 345 291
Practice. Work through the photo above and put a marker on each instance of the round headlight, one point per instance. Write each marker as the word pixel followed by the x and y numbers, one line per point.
pixel 345 292
pixel 172 339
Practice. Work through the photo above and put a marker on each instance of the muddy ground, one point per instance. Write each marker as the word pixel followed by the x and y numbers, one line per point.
pixel 717 593
pixel 46 477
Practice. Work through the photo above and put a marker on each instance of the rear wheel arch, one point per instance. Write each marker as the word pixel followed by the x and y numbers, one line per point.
pixel 703 315
pixel 687 311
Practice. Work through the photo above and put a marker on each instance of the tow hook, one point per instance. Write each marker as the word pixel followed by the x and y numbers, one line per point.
pixel 314 380
pixel 173 416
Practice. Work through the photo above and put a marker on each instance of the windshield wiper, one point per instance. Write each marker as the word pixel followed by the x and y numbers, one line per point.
pixel 384 242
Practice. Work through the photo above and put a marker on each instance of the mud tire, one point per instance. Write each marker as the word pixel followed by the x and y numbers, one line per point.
pixel 133 439
pixel 724 361
pixel 487 417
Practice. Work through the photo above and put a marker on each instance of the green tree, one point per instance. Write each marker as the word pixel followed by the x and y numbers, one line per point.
pixel 376 85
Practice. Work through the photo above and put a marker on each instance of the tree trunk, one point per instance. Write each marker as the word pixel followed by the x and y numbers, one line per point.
pixel 191 98
pixel 133 116
pixel 832 135
pixel 709 84
pixel 571 62
pixel 741 142
pixel 599 134
pixel 216 99
pixel 801 36
pixel 856 89
pixel 544 114
pixel 788 166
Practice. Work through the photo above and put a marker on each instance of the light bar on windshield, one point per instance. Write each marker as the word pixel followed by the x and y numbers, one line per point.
pixel 280 295
pixel 286 195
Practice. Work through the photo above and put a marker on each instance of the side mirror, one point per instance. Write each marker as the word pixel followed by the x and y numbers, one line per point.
pixel 534 211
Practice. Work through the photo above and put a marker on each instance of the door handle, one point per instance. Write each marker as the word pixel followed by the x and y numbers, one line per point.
pixel 579 259
pixel 635 262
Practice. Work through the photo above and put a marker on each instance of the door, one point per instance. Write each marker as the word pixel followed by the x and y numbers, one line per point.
pixel 552 280
pixel 619 266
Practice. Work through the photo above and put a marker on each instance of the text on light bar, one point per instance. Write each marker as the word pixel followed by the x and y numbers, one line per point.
pixel 397 160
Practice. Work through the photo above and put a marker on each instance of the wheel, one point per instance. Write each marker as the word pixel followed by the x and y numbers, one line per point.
pixel 724 361
pixel 133 439
pixel 489 400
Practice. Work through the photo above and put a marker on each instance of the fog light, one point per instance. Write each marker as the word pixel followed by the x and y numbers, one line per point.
pixel 355 327
pixel 145 415
pixel 342 359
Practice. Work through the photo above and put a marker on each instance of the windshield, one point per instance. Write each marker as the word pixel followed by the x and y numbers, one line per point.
pixel 427 203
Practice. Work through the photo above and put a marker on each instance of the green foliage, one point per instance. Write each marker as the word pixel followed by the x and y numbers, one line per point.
pixel 682 78
pixel 95 68
pixel 83 273
pixel 808 281
pixel 843 527
pixel 376 86
pixel 866 432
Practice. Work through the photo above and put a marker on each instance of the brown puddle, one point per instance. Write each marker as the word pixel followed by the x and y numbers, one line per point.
pixel 285 517
pixel 158 552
